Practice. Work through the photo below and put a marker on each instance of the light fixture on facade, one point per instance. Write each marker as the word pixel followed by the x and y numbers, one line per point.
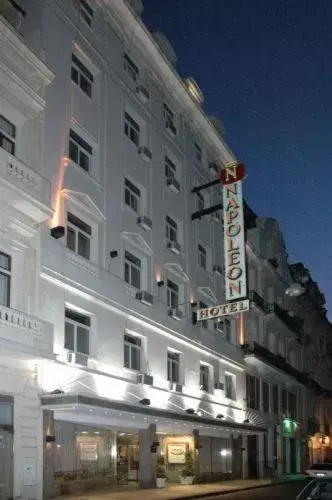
pixel 114 254
pixel 58 232
pixel 193 303
pixel 246 421
pixel 190 411
pixel 220 416
pixel 160 283
pixel 223 453
pixel 145 402
pixel 295 290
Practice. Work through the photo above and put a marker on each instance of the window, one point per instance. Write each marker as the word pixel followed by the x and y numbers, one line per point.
pixel 204 323
pixel 132 270
pixel 80 152
pixel 204 378
pixel 5 275
pixel 172 295
pixel 131 129
pixel 78 236
pixel 284 401
pixel 84 10
pixel 7 135
pixel 200 202
pixel 168 117
pixel 81 76
pixel 132 352
pixel 198 152
pixel 229 386
pixel 77 332
pixel 132 196
pixel 252 390
pixel 202 257
pixel 292 405
pixel 171 229
pixel 275 399
pixel 170 168
pixel 173 367
pixel 266 397
pixel 228 330
pixel 130 68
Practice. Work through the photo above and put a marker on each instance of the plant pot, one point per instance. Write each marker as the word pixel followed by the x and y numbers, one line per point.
pixel 187 479
pixel 160 482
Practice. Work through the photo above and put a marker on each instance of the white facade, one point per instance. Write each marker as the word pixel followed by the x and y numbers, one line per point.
pixel 107 266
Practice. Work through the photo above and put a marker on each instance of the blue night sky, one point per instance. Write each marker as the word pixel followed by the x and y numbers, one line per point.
pixel 265 69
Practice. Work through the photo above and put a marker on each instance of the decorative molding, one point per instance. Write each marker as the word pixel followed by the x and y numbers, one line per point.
pixel 85 203
pixel 138 241
pixel 177 270
pixel 81 262
pixel 206 292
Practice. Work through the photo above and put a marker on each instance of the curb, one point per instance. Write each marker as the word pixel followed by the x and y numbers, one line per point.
pixel 237 490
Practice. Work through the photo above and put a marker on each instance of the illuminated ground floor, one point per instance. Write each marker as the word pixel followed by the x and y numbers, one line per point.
pixel 92 442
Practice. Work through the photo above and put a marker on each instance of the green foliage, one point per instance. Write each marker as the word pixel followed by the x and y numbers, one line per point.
pixel 189 466
pixel 160 468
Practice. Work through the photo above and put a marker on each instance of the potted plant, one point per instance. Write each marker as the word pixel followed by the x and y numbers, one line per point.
pixel 188 473
pixel 160 472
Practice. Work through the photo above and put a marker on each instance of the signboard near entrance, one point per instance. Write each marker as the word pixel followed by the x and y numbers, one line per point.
pixel 176 453
pixel 223 310
pixel 234 244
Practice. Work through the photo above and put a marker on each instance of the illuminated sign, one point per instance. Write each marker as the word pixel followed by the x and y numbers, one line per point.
pixel 234 244
pixel 222 310
pixel 176 453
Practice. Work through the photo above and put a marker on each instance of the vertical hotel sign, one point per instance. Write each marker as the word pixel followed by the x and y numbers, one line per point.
pixel 234 242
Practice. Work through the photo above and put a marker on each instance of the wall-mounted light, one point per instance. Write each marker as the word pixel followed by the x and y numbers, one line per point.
pixel 114 254
pixel 50 439
pixel 160 283
pixel 220 416
pixel 58 232
pixel 145 402
pixel 190 411
pixel 65 161
pixel 193 303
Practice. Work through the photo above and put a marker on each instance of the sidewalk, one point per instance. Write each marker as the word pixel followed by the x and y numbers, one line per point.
pixel 179 492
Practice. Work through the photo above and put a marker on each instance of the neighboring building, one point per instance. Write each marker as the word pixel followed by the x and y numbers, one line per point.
pixel 102 269
pixel 317 363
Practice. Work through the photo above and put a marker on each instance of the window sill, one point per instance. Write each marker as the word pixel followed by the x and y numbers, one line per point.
pixel 82 91
pixel 81 262
pixel 86 174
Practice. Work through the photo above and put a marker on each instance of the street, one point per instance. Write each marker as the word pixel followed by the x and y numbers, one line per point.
pixel 287 491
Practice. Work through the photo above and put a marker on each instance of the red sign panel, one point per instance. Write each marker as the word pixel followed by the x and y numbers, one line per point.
pixel 233 172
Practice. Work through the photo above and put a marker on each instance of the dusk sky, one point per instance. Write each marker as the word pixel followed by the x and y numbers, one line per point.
pixel 265 69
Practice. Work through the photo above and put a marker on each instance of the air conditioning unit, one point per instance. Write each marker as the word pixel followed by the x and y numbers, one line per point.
pixel 219 386
pixel 145 222
pixel 145 297
pixel 174 247
pixel 173 184
pixel 175 314
pixel 219 326
pixel 142 93
pixel 217 269
pixel 144 378
pixel 216 217
pixel 77 358
pixel 145 153
pixel 174 387
pixel 171 129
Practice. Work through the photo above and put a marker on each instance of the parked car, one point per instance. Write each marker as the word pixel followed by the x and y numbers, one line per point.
pixel 318 489
pixel 320 470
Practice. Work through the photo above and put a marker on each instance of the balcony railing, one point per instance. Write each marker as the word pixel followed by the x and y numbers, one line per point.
pixel 257 300
pixel 12 12
pixel 291 322
pixel 21 328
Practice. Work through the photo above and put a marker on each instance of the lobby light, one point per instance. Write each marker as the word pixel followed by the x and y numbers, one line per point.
pixel 220 416
pixel 190 411
pixel 295 290
pixel 145 402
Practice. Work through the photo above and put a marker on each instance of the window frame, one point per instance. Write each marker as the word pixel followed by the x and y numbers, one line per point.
pixel 200 202
pixel 5 135
pixel 130 67
pixel 134 193
pixel 132 342
pixel 204 323
pixel 173 367
pixel 253 400
pixel 83 148
pixel 204 377
pixel 80 229
pixel 84 78
pixel 202 257
pixel 198 152
pixel 129 266
pixel 228 330
pixel 169 117
pixel 6 272
pixel 85 325
pixel 172 291
pixel 85 11
pixel 232 394
pixel 170 168
pixel 275 399
pixel 172 230
pixel 132 129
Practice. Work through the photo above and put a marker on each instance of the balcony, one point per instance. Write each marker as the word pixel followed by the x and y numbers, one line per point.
pixel 12 13
pixel 25 189
pixel 22 332
pixel 257 301
pixel 291 322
